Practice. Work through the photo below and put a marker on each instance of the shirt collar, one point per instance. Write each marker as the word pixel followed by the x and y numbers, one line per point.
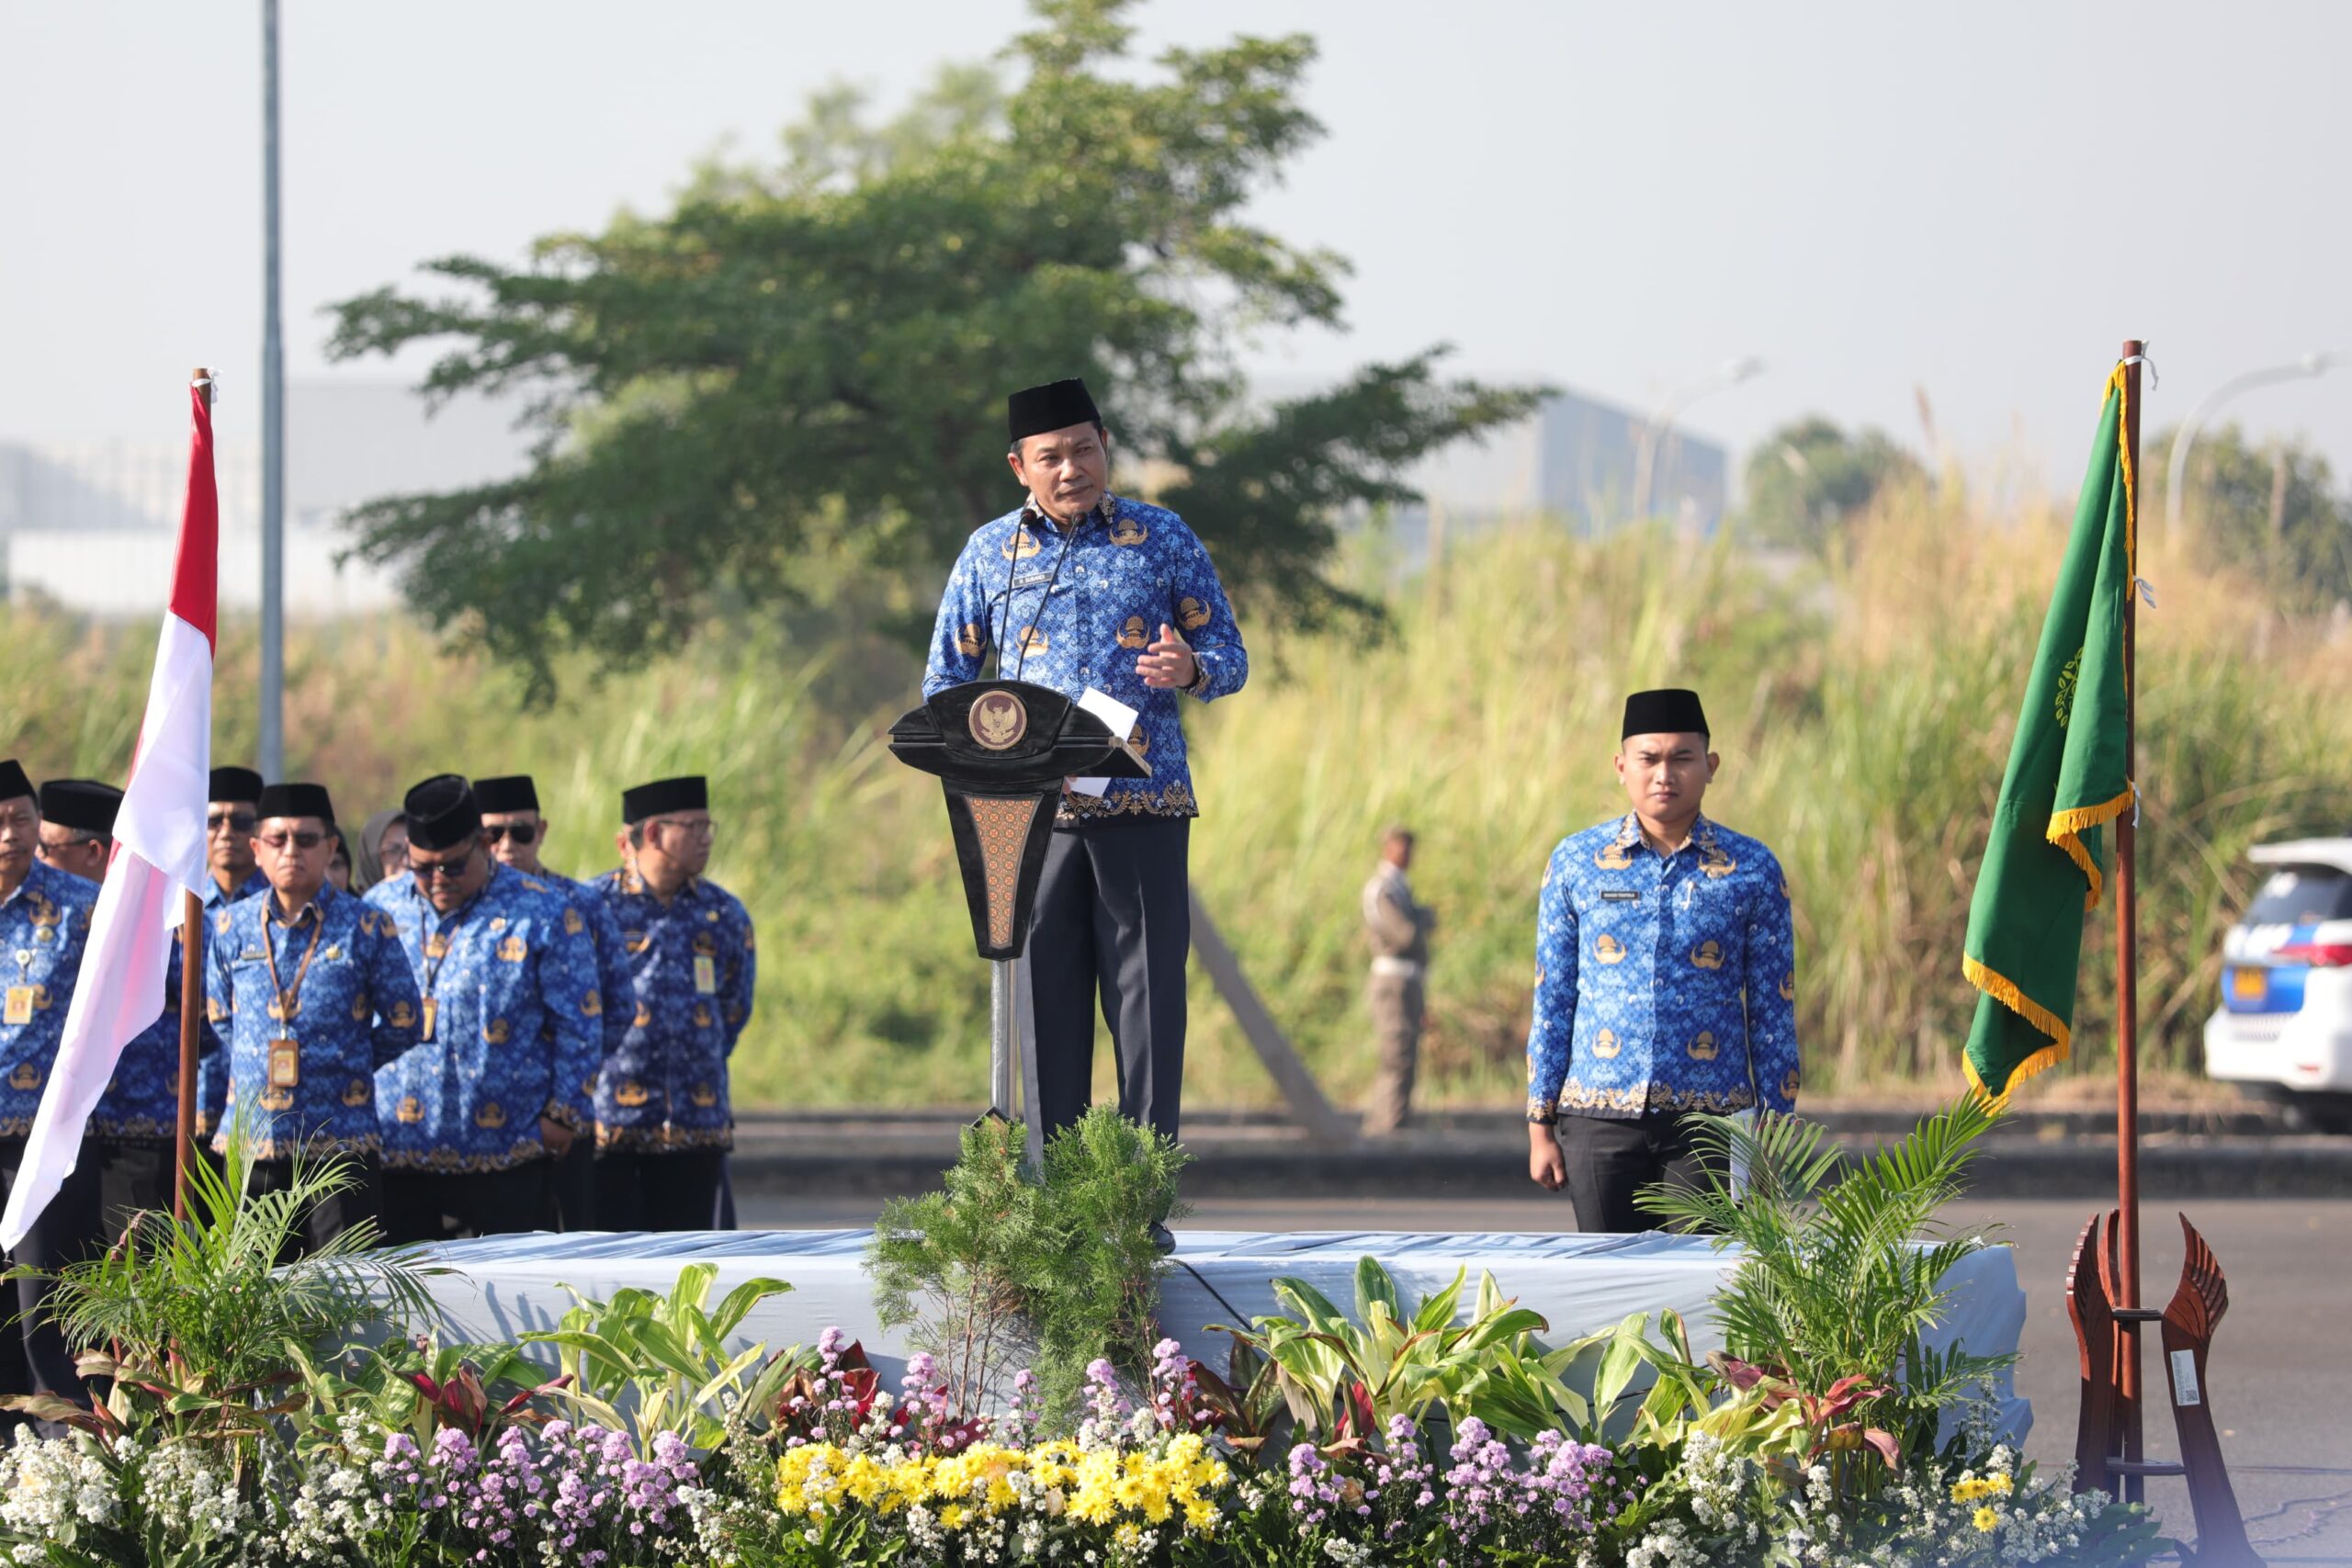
pixel 1033 518
pixel 635 886
pixel 1702 834
pixel 316 906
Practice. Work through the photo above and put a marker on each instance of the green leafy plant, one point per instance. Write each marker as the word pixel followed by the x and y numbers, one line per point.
pixel 1343 1380
pixel 1841 1273
pixel 1006 1267
pixel 199 1323
pixel 652 1363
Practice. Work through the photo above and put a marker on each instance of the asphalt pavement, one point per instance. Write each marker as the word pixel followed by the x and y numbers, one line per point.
pixel 2279 1377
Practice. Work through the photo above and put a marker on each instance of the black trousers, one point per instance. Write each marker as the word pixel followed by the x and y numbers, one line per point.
pixel 1610 1159
pixel 571 1191
pixel 676 1190
pixel 434 1206
pixel 328 1217
pixel 1112 928
pixel 133 1177
pixel 33 1358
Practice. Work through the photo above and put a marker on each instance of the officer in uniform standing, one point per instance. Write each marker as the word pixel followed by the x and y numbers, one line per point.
pixel 1665 978
pixel 313 993
pixel 663 1120
pixel 516 832
pixel 510 1025
pixel 1398 927
pixel 44 920
pixel 1082 589
pixel 133 1125
pixel 230 818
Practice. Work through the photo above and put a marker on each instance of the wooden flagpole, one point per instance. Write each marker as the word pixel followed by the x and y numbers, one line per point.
pixel 2127 971
pixel 191 988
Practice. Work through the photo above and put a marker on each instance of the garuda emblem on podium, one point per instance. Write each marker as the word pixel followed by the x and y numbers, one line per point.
pixel 999 721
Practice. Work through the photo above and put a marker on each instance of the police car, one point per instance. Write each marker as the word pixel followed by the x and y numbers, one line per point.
pixel 2284 1028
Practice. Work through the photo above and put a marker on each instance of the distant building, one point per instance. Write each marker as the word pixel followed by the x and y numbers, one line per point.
pixel 1576 460
pixel 92 525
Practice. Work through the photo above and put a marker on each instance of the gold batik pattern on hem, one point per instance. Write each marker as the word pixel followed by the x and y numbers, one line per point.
pixel 319 1147
pixel 450 1162
pixel 1168 800
pixel 661 1140
pixel 1646 1098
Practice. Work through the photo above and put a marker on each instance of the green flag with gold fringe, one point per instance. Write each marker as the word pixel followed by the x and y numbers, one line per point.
pixel 2044 861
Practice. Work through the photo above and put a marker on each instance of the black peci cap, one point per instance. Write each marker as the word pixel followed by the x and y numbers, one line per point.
pixel 13 782
pixel 84 805
pixel 442 812
pixel 297 800
pixel 691 793
pixel 1056 405
pixel 1672 711
pixel 235 783
pixel 510 792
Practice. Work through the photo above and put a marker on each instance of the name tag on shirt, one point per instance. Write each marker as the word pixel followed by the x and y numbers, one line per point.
pixel 432 1007
pixel 706 977
pixel 285 1063
pixel 1621 896
pixel 20 1005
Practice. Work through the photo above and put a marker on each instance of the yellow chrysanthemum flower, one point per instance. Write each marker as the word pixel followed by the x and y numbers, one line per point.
pixel 1987 1519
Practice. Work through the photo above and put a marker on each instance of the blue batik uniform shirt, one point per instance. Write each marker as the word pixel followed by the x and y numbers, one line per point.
pixel 43 926
pixel 355 1011
pixel 595 916
pixel 517 1031
pixel 1662 982
pixel 692 962
pixel 135 1081
pixel 1085 604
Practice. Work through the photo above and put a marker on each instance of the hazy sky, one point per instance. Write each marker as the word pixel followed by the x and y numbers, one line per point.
pixel 1978 200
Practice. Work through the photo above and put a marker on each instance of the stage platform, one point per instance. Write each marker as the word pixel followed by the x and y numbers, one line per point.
pixel 503 1286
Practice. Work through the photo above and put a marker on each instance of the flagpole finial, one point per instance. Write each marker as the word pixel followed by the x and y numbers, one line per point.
pixel 200 381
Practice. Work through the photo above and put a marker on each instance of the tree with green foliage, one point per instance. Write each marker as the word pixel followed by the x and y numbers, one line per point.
pixel 2271 511
pixel 1807 478
pixel 792 381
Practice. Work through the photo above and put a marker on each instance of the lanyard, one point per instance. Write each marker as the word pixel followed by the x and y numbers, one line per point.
pixel 291 1002
pixel 1069 531
pixel 432 961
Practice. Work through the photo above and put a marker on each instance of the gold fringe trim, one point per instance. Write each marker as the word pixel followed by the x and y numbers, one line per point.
pixel 2004 990
pixel 2067 827
pixel 2118 384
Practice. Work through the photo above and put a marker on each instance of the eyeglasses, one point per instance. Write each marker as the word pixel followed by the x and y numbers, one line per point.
pixel 238 821
pixel 426 870
pixel 702 830
pixel 521 832
pixel 46 849
pixel 303 842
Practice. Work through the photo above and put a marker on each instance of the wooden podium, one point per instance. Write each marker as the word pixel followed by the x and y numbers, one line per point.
pixel 1001 751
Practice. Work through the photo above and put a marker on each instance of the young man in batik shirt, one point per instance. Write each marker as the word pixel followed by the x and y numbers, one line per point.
pixel 1665 978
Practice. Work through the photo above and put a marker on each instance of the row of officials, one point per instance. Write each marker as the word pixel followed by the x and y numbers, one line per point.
pixel 494 1047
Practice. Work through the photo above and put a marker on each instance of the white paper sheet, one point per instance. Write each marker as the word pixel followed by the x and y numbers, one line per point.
pixel 1122 720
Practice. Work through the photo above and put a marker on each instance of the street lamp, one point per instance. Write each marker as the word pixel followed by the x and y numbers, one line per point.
pixel 1730 374
pixel 2177 468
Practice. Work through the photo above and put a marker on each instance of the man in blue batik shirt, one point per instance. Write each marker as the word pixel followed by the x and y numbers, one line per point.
pixel 132 1127
pixel 230 818
pixel 1082 589
pixel 1665 978
pixel 312 995
pixel 664 1121
pixel 44 920
pixel 509 1027
pixel 517 831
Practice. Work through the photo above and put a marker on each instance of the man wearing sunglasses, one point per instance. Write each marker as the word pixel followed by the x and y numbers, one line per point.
pixel 517 832
pixel 44 920
pixel 510 1030
pixel 231 817
pixel 314 995
pixel 663 1120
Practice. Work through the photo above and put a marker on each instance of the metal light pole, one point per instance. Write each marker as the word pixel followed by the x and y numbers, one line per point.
pixel 2176 469
pixel 273 427
pixel 1731 374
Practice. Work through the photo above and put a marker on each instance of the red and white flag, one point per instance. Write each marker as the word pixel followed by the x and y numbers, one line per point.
pixel 158 855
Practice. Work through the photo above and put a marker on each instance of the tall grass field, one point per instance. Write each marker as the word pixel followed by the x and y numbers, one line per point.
pixel 1863 709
